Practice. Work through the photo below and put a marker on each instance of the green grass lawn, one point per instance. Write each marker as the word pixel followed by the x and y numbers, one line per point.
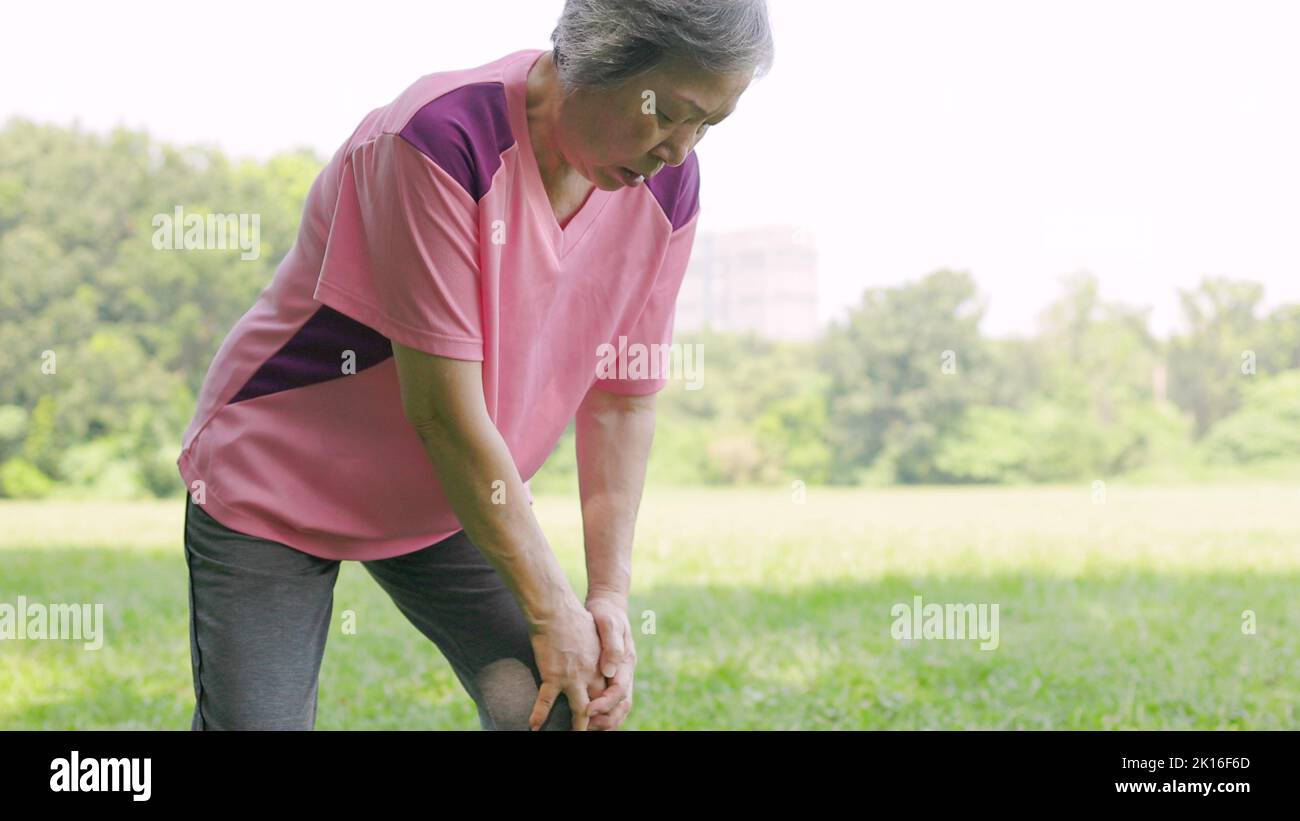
pixel 767 614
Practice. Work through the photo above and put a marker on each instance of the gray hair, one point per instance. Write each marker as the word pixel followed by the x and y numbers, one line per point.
pixel 600 43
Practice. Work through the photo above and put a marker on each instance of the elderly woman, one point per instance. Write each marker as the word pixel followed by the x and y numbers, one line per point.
pixel 461 261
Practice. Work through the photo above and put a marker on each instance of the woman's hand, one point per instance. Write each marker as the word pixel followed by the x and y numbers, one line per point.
pixel 567 650
pixel 617 661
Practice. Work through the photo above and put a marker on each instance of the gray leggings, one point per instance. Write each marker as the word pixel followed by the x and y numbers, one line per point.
pixel 260 613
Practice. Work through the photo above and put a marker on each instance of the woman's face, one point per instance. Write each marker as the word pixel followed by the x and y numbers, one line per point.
pixel 643 123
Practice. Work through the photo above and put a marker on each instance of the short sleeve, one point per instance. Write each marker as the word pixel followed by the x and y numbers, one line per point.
pixel 654 326
pixel 402 251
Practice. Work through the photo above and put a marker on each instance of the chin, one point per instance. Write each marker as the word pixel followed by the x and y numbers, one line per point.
pixel 608 183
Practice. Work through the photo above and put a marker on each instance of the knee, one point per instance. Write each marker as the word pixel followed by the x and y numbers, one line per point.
pixel 507 692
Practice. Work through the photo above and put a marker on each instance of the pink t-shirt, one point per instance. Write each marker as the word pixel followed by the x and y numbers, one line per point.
pixel 429 227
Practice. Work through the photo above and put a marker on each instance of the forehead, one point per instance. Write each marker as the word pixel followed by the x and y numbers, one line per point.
pixel 694 87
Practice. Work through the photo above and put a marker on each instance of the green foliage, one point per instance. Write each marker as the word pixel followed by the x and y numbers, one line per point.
pixel 129 329
pixel 758 415
pixel 20 479
pixel 41 446
pixel 1267 427
pixel 790 437
pixel 102 468
pixel 1205 363
pixel 898 374
pixel 1064 444
pixel 680 452
pixel 988 446
pixel 1087 396
pixel 560 473
pixel 13 429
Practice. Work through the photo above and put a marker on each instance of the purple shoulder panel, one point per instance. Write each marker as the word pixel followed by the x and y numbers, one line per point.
pixel 464 131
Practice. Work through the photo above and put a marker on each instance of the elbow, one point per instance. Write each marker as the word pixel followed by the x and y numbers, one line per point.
pixel 429 427
pixel 602 403
pixel 443 431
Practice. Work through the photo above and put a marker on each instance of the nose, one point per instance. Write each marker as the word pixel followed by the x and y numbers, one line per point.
pixel 674 150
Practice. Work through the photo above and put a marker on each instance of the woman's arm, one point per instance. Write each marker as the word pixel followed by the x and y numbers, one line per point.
pixel 443 400
pixel 614 434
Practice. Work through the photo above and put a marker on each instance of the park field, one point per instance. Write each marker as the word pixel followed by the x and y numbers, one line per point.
pixel 758 609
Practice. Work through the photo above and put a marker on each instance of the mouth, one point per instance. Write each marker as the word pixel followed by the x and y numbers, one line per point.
pixel 630 177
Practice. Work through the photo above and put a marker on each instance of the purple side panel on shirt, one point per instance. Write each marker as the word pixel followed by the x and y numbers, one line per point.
pixel 315 354
pixel 464 131
pixel 678 190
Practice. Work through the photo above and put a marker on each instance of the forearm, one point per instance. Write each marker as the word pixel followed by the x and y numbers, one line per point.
pixel 614 435
pixel 467 464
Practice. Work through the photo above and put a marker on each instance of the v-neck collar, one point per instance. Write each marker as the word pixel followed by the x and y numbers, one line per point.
pixel 565 239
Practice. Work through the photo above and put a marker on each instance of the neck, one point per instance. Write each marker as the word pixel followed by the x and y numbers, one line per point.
pixel 543 109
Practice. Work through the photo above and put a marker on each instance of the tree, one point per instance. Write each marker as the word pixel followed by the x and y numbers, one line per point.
pixel 902 367
pixel 1206 361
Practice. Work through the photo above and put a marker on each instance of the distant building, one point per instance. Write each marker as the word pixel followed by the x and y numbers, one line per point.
pixel 760 279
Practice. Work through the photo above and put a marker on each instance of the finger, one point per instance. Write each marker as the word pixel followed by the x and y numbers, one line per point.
pixel 597 684
pixel 613 719
pixel 620 688
pixel 610 630
pixel 578 706
pixel 625 709
pixel 629 646
pixel 546 697
pixel 621 715
pixel 628 662
pixel 615 693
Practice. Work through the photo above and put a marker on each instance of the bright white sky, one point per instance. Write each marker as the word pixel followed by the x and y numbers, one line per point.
pixel 1149 142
